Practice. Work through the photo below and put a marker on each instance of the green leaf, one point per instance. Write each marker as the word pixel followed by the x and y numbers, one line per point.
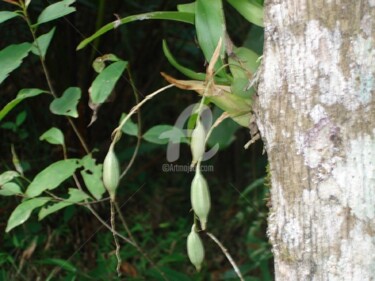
pixel 55 11
pixel 23 211
pixel 9 189
pixel 23 94
pixel 43 42
pixel 104 83
pixel 53 136
pixel 186 8
pixel 99 62
pixel 162 134
pixel 67 103
pixel 75 196
pixel 52 176
pixel 129 128
pixel 210 26
pixel 92 176
pixel 250 10
pixel 11 58
pixel 175 16
pixel 184 70
pixel 6 15
pixel 60 263
pixel 8 176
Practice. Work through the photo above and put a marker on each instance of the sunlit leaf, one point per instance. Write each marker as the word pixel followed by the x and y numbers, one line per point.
pixel 67 103
pixel 105 82
pixel 186 8
pixel 11 58
pixel 23 211
pixel 43 42
pixel 23 94
pixel 250 10
pixel 10 189
pixel 53 136
pixel 75 196
pixel 92 176
pixel 52 176
pixel 7 15
pixel 8 176
pixel 55 11
pixel 174 16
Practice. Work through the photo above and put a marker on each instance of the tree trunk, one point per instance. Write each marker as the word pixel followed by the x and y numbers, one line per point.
pixel 316 115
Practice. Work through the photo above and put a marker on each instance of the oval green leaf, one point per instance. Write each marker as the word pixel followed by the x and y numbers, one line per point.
pixel 55 11
pixel 104 83
pixel 7 15
pixel 52 176
pixel 8 176
pixel 43 42
pixel 53 136
pixel 11 58
pixel 10 189
pixel 92 176
pixel 162 134
pixel 23 211
pixel 67 103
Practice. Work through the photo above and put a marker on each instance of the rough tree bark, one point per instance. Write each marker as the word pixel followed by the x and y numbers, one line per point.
pixel 316 115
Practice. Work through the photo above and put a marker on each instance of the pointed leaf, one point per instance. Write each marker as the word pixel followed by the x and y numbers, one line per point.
pixel 23 211
pixel 210 26
pixel 6 15
pixel 104 83
pixel 52 176
pixel 55 11
pixel 75 196
pixel 92 176
pixel 67 103
pixel 175 16
pixel 250 10
pixel 53 136
pixel 43 42
pixel 23 94
pixel 11 58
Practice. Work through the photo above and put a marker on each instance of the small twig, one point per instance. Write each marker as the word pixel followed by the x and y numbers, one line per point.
pixel 139 124
pixel 113 226
pixel 144 254
pixel 226 253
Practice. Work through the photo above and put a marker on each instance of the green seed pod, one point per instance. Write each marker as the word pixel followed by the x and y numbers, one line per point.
pixel 200 198
pixel 198 142
pixel 195 249
pixel 111 172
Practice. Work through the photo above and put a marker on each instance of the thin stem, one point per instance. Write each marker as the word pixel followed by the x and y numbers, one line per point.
pixel 144 254
pixel 113 227
pixel 226 253
pixel 49 80
pixel 139 123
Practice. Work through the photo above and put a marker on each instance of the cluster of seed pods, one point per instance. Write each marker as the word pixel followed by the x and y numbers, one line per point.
pixel 199 196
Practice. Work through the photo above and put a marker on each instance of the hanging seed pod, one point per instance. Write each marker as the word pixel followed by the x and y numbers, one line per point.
pixel 195 249
pixel 111 172
pixel 198 141
pixel 200 198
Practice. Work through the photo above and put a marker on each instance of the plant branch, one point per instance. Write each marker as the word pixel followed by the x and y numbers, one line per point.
pixel 226 253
